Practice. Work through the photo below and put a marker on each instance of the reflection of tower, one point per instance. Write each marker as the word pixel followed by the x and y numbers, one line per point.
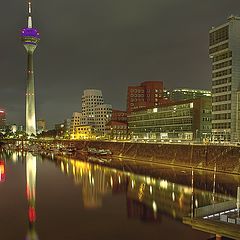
pixel 30 38
pixel 31 169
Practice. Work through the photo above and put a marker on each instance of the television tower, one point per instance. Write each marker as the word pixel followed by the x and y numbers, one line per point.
pixel 30 38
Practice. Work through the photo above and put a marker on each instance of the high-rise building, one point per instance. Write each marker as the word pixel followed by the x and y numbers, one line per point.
pixel 30 38
pixel 2 119
pixel 181 94
pixel 41 125
pixel 103 114
pixel 224 50
pixel 148 94
pixel 90 99
pixel 75 121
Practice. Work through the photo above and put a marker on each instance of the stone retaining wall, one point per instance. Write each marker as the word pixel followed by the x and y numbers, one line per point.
pixel 224 158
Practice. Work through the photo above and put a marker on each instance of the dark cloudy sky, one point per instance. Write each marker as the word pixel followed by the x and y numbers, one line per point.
pixel 105 44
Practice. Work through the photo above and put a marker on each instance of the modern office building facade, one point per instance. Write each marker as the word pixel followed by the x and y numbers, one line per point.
pixel 90 99
pixel 103 114
pixel 75 121
pixel 224 50
pixel 181 94
pixel 2 119
pixel 83 132
pixel 186 120
pixel 148 94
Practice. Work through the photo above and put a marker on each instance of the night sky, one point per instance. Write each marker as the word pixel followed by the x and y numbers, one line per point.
pixel 105 44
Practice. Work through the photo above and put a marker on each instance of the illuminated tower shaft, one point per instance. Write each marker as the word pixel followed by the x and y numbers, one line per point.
pixel 30 38
pixel 30 94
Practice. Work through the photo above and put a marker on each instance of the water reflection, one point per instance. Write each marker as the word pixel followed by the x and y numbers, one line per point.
pixel 31 171
pixel 151 196
pixel 2 171
pixel 146 198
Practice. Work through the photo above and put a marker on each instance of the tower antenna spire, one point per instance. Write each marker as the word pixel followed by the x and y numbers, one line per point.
pixel 30 14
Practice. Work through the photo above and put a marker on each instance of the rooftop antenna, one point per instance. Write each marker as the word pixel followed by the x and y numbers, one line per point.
pixel 29 14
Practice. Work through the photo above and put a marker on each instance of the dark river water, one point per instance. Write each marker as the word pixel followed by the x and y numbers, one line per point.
pixel 50 198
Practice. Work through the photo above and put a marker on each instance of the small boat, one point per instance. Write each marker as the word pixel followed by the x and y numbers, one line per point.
pixel 99 151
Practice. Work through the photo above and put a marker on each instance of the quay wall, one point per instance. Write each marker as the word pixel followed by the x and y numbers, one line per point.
pixel 223 158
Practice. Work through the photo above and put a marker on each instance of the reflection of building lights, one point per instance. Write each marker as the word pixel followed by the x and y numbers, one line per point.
pixel 141 191
pixel 62 167
pixel 111 182
pixel 151 190
pixel 14 157
pixel 119 179
pixel 74 171
pixel 163 184
pixel 67 168
pixel 148 179
pixel 173 196
pixel 154 206
pixel 196 203
pixel 132 184
pixel 181 200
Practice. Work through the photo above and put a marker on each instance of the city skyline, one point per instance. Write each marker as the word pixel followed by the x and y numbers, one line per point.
pixel 138 37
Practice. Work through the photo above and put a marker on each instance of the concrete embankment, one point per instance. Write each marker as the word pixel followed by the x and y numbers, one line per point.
pixel 224 158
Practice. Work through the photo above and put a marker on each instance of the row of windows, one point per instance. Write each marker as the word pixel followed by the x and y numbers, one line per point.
pixel 208 111
pixel 148 90
pixel 162 122
pixel 171 129
pixel 120 132
pixel 222 73
pixel 222 81
pixel 136 91
pixel 219 36
pixel 207 127
pixel 218 48
pixel 222 65
pixel 221 89
pixel 222 98
pixel 222 56
pixel 93 96
pixel 222 107
pixel 83 129
pixel 221 125
pixel 161 115
pixel 206 119
pixel 137 100
pixel 222 116
pixel 137 95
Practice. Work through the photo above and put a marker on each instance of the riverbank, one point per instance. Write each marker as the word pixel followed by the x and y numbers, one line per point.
pixel 205 157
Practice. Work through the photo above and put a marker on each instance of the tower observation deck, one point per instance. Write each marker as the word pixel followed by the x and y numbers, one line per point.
pixel 30 38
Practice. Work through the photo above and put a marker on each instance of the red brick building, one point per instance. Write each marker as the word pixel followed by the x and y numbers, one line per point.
pixel 148 94
pixel 119 116
pixel 117 130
